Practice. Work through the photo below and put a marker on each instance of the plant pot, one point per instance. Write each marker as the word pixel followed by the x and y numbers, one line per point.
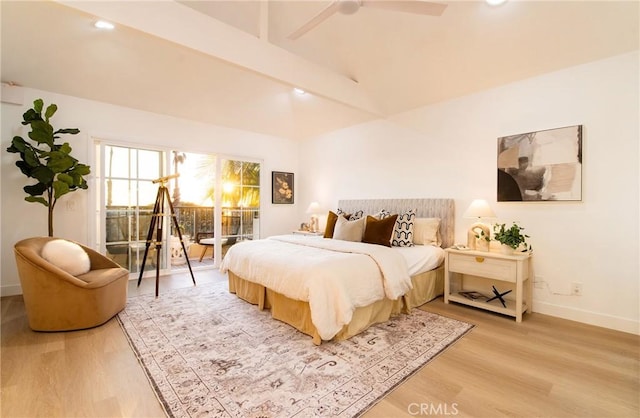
pixel 505 249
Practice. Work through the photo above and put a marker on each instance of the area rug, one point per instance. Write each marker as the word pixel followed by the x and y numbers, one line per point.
pixel 208 353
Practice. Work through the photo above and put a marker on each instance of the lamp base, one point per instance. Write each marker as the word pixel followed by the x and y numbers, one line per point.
pixel 477 237
pixel 314 226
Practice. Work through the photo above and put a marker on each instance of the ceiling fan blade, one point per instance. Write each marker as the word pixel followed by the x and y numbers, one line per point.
pixel 407 6
pixel 316 20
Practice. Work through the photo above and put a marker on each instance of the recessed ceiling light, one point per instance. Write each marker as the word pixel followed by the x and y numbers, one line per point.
pixel 103 24
pixel 495 2
pixel 299 91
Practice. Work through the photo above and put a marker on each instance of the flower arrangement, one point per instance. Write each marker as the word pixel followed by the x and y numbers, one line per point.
pixel 511 237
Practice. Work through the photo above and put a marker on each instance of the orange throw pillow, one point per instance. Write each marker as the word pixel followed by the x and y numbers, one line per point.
pixel 378 231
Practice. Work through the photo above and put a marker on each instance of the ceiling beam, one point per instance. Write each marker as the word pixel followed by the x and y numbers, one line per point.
pixel 182 25
pixel 264 21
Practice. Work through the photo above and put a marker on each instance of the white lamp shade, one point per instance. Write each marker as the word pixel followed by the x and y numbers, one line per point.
pixel 479 208
pixel 314 208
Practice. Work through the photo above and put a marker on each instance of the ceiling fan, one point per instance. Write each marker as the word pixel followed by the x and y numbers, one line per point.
pixel 351 6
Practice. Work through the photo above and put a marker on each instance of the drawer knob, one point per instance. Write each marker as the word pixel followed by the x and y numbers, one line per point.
pixel 479 259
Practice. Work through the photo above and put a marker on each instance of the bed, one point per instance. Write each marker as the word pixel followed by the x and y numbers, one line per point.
pixel 311 283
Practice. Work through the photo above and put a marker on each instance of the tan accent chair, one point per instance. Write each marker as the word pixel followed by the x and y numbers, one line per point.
pixel 58 301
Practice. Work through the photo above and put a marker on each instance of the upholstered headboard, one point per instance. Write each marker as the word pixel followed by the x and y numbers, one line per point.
pixel 425 208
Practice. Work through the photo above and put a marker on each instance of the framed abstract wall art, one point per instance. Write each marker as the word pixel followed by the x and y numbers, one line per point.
pixel 541 166
pixel 281 187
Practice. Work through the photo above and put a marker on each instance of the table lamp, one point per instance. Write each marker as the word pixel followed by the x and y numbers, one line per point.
pixel 479 233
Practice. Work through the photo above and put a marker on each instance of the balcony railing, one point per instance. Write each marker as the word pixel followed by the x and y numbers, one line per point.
pixel 126 227
pixel 123 224
pixel 237 222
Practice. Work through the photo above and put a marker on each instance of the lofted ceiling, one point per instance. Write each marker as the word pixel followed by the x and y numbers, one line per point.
pixel 230 63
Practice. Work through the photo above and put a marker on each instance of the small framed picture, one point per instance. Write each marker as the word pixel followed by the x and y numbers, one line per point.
pixel 281 187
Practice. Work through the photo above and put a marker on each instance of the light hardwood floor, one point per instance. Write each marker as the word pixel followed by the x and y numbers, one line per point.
pixel 543 367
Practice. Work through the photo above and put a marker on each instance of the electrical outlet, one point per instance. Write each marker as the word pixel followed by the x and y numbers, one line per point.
pixel 576 289
pixel 538 282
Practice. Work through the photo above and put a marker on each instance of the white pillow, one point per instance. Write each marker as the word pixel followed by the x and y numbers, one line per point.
pixel 426 231
pixel 349 230
pixel 67 256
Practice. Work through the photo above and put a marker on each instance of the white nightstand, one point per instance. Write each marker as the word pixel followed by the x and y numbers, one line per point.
pixel 308 233
pixel 489 268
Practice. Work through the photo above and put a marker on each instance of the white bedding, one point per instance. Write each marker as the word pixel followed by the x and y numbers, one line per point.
pixel 334 276
pixel 421 258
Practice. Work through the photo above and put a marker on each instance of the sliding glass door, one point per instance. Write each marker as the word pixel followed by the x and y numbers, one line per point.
pixel 216 202
pixel 128 196
pixel 210 189
pixel 240 200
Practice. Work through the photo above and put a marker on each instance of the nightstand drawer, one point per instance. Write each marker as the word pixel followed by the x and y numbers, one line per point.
pixel 494 268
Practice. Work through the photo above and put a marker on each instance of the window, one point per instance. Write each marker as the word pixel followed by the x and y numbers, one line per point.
pixel 208 188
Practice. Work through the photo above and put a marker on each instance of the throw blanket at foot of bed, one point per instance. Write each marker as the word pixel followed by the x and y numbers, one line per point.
pixel 335 277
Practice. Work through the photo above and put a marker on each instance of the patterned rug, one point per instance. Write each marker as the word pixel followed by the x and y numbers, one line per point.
pixel 208 353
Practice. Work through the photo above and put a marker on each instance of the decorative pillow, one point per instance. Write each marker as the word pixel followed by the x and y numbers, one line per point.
pixel 331 224
pixel 351 217
pixel 67 256
pixel 378 231
pixel 383 214
pixel 349 230
pixel 403 231
pixel 426 231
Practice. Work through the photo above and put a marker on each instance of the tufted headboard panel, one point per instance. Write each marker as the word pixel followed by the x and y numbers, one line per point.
pixel 425 208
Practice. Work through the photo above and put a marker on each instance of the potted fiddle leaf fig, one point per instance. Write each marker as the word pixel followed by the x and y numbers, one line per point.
pixel 511 238
pixel 47 162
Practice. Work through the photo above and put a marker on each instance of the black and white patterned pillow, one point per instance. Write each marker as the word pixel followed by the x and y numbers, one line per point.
pixel 403 231
pixel 353 217
pixel 383 214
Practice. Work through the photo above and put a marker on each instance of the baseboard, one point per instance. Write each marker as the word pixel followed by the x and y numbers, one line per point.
pixel 588 317
pixel 11 290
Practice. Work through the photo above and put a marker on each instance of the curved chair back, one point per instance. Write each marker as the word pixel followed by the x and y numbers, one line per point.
pixel 57 301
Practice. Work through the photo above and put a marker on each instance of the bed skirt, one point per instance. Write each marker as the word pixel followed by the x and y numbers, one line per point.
pixel 426 287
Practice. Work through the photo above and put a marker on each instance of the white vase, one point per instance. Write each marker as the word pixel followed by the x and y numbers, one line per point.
pixel 505 249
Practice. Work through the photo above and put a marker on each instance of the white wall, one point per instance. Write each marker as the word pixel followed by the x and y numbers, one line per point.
pixel 21 219
pixel 449 150
pixel 444 150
